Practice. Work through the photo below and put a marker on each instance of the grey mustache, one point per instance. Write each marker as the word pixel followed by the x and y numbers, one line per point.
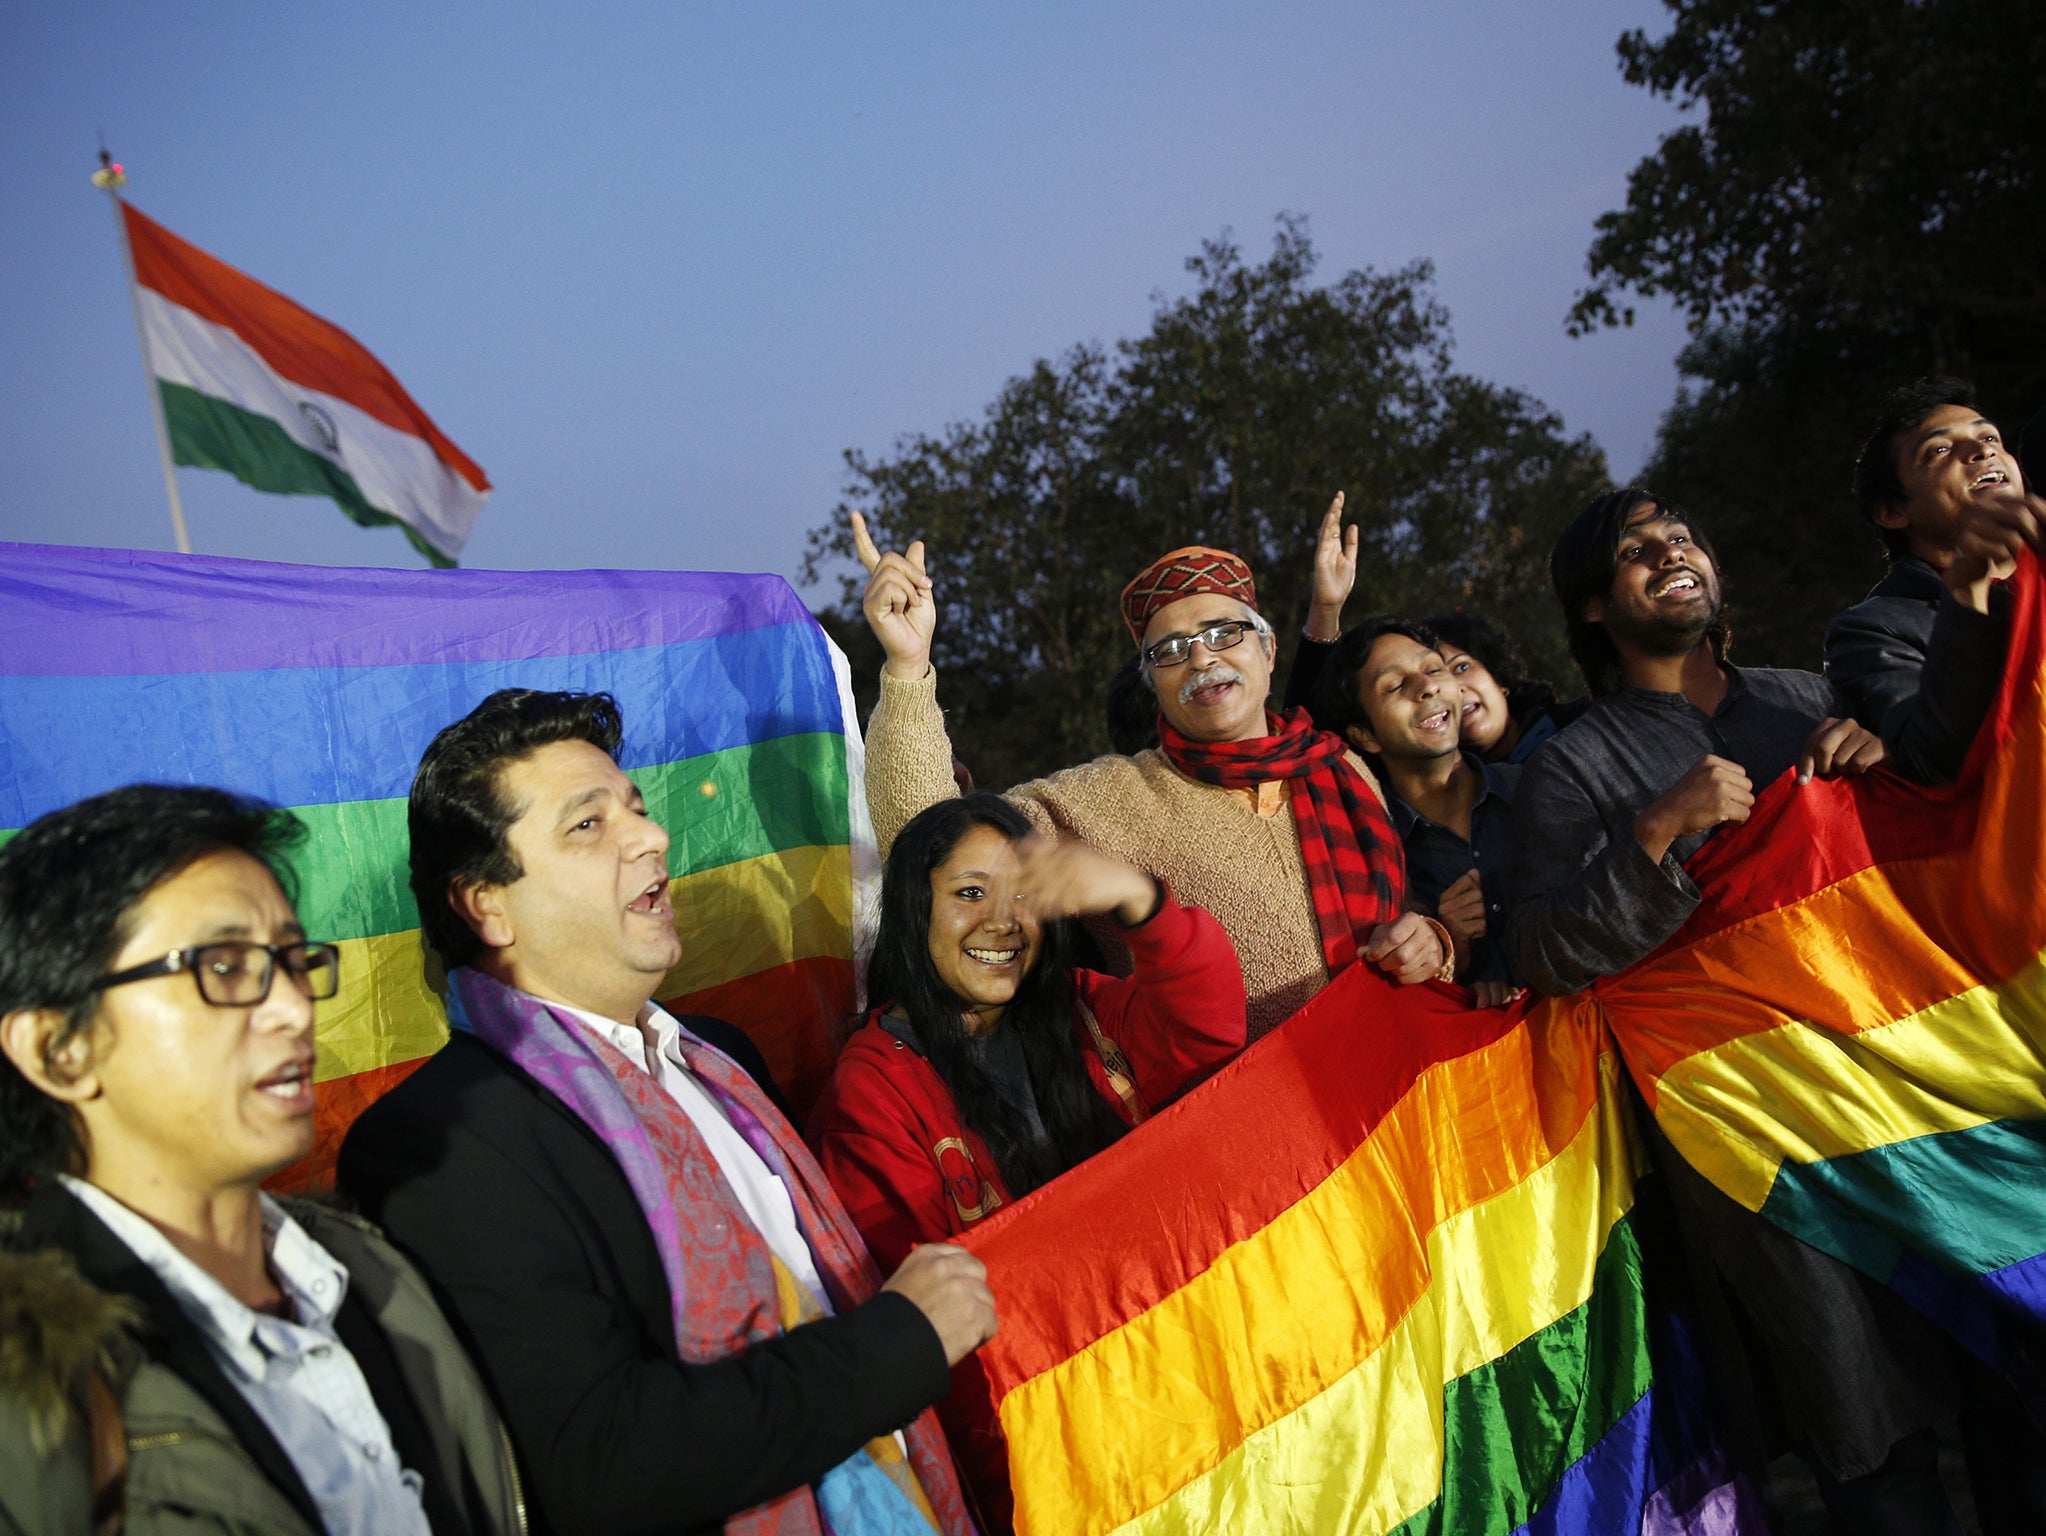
pixel 1220 672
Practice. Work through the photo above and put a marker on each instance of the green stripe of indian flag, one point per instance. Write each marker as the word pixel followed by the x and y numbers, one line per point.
pixel 393 474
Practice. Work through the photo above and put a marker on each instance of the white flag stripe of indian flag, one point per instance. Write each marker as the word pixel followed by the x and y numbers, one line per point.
pixel 285 401
pixel 394 471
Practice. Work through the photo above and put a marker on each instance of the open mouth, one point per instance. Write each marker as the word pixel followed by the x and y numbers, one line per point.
pixel 1989 477
pixel 290 1085
pixel 996 957
pixel 1434 720
pixel 653 901
pixel 1681 583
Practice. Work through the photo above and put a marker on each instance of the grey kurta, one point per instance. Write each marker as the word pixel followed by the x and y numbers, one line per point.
pixel 1588 901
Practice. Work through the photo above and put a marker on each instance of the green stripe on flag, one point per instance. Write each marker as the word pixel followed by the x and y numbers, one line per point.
pixel 1511 1426
pixel 211 434
pixel 718 809
pixel 1977 1199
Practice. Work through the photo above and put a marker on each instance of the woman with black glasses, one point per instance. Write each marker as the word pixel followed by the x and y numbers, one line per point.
pixel 185 1350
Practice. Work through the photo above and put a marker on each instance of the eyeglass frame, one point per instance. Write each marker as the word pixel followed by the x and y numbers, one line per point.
pixel 1253 624
pixel 188 960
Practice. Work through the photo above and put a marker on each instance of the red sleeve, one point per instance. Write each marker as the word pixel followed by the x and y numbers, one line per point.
pixel 1181 1013
pixel 872 1147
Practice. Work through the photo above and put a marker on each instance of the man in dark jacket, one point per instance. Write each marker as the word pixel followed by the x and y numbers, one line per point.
pixel 673 1311
pixel 1918 661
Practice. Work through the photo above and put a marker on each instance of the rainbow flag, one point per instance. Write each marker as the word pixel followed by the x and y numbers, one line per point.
pixel 319 688
pixel 288 402
pixel 1849 1036
pixel 1381 1275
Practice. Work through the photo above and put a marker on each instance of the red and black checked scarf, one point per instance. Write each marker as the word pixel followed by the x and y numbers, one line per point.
pixel 1356 869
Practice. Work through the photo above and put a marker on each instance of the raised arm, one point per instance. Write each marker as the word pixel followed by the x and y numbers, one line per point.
pixel 1335 573
pixel 909 756
pixel 1183 1010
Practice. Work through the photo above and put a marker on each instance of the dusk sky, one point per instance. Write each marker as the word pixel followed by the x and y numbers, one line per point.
pixel 657 268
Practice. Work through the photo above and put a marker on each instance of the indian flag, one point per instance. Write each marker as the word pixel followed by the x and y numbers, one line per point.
pixel 285 401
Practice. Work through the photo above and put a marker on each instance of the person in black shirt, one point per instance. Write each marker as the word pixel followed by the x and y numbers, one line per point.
pixel 1919 659
pixel 1388 689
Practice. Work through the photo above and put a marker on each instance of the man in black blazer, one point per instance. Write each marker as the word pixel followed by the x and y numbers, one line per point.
pixel 534 863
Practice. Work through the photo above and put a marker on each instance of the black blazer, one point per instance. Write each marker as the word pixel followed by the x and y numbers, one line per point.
pixel 58 1219
pixel 526 1226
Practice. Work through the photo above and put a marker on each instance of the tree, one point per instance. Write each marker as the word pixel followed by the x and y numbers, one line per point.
pixel 1856 203
pixel 1247 405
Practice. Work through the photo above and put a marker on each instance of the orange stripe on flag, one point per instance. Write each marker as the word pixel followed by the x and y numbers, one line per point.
pixel 338 1102
pixel 297 343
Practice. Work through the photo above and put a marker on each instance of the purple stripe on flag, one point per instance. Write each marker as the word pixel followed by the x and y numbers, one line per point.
pixel 1616 1489
pixel 112 612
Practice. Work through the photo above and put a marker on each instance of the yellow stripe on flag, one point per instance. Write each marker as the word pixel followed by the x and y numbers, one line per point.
pixel 1145 1413
pixel 1810 1093
pixel 766 911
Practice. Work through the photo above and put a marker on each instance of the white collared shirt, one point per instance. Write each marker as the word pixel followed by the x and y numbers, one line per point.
pixel 298 1377
pixel 760 1191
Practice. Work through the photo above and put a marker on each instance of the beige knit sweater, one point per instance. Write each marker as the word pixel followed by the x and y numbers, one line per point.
pixel 1208 842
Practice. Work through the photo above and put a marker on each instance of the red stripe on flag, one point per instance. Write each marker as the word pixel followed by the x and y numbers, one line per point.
pixel 293 340
pixel 1284 1123
pixel 779 1009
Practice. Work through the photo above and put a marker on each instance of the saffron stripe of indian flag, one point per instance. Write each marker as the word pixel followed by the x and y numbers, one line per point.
pixel 287 402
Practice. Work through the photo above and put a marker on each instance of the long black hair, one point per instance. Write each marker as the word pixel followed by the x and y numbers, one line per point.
pixel 1586 555
pixel 1076 1120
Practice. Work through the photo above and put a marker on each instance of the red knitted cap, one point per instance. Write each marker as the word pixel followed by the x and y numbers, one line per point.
pixel 1184 573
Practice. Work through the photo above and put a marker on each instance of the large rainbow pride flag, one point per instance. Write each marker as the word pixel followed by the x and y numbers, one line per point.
pixel 1381 1273
pixel 319 688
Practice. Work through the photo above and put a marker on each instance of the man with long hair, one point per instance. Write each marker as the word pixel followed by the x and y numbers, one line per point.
pixel 673 1309
pixel 1803 1351
pixel 1675 744
pixel 1275 827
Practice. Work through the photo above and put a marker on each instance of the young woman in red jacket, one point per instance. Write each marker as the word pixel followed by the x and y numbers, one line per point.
pixel 993 1065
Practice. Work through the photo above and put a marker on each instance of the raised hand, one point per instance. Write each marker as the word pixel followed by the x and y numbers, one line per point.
pixel 1994 527
pixel 949 1286
pixel 898 603
pixel 1839 749
pixel 1335 573
pixel 1069 879
pixel 1712 792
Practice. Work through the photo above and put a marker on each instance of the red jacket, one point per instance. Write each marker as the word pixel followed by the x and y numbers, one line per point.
pixel 892 1142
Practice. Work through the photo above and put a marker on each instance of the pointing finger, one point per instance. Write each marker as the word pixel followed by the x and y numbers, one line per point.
pixel 863 544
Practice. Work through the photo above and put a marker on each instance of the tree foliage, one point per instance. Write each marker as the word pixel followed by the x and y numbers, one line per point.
pixel 1232 421
pixel 1857 201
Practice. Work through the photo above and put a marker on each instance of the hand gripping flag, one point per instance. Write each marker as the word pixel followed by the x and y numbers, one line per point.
pixel 285 401
pixel 319 689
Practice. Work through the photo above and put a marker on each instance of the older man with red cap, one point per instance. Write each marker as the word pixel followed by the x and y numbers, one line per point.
pixel 1275 827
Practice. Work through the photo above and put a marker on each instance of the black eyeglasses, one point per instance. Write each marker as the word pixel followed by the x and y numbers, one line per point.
pixel 237 973
pixel 1174 649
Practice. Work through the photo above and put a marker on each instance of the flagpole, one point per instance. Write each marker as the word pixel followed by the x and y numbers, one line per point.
pixel 110 178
